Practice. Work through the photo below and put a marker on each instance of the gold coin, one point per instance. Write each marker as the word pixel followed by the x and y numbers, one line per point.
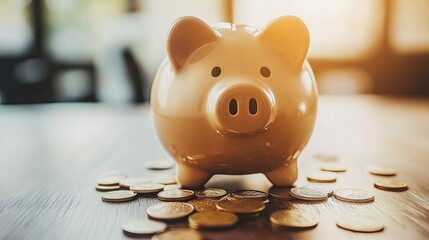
pixel 204 204
pixel 249 194
pixel 294 218
pixel 360 223
pixel 308 194
pixel 333 167
pixel 210 193
pixel 354 195
pixel 212 219
pixel 381 170
pixel 147 188
pixel 391 184
pixel 240 206
pixel 107 188
pixel 178 234
pixel 165 180
pixel 176 195
pixel 281 193
pixel 144 226
pixel 158 164
pixel 322 177
pixel 127 182
pixel 118 196
pixel 111 180
pixel 112 173
pixel 170 210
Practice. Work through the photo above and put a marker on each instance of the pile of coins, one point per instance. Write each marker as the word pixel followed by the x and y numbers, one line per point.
pixel 214 208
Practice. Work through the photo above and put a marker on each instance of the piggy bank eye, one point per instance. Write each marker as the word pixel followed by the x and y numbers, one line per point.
pixel 216 71
pixel 265 71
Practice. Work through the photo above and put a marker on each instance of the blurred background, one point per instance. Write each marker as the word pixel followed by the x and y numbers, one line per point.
pixel 108 51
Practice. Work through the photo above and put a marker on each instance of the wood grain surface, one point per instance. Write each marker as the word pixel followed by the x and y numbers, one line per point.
pixel 50 156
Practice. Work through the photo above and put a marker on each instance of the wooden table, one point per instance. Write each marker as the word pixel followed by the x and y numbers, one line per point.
pixel 50 156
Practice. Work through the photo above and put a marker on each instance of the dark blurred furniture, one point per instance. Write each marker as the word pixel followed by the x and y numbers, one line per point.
pixel 43 70
pixel 49 168
pixel 40 66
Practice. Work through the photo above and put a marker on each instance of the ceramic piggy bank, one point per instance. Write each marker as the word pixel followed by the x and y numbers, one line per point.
pixel 232 99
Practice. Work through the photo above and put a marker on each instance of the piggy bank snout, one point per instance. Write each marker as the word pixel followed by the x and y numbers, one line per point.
pixel 240 109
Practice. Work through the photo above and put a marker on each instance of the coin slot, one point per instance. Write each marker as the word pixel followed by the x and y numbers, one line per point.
pixel 253 106
pixel 233 107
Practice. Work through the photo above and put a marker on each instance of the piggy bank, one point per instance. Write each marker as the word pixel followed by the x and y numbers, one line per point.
pixel 233 99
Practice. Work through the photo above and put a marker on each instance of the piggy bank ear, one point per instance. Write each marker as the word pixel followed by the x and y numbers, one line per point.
pixel 187 35
pixel 291 35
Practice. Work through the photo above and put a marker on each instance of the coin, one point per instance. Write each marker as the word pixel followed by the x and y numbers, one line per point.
pixel 147 188
pixel 172 186
pixel 240 206
pixel 158 164
pixel 210 193
pixel 144 226
pixel 281 193
pixel 170 210
pixel 204 204
pixel 212 219
pixel 381 170
pixel 249 194
pixel 165 180
pixel 333 167
pixel 391 184
pixel 107 188
pixel 322 177
pixel 111 180
pixel 112 173
pixel 118 196
pixel 294 218
pixel 127 182
pixel 360 223
pixel 354 195
pixel 178 234
pixel 308 194
pixel 176 195
pixel 321 187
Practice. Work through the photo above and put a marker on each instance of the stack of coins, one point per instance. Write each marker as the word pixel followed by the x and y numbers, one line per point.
pixel 214 208
pixel 147 188
pixel 109 181
pixel 243 202
pixel 128 182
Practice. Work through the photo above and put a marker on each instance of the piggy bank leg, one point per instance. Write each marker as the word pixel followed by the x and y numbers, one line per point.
pixel 191 177
pixel 285 175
